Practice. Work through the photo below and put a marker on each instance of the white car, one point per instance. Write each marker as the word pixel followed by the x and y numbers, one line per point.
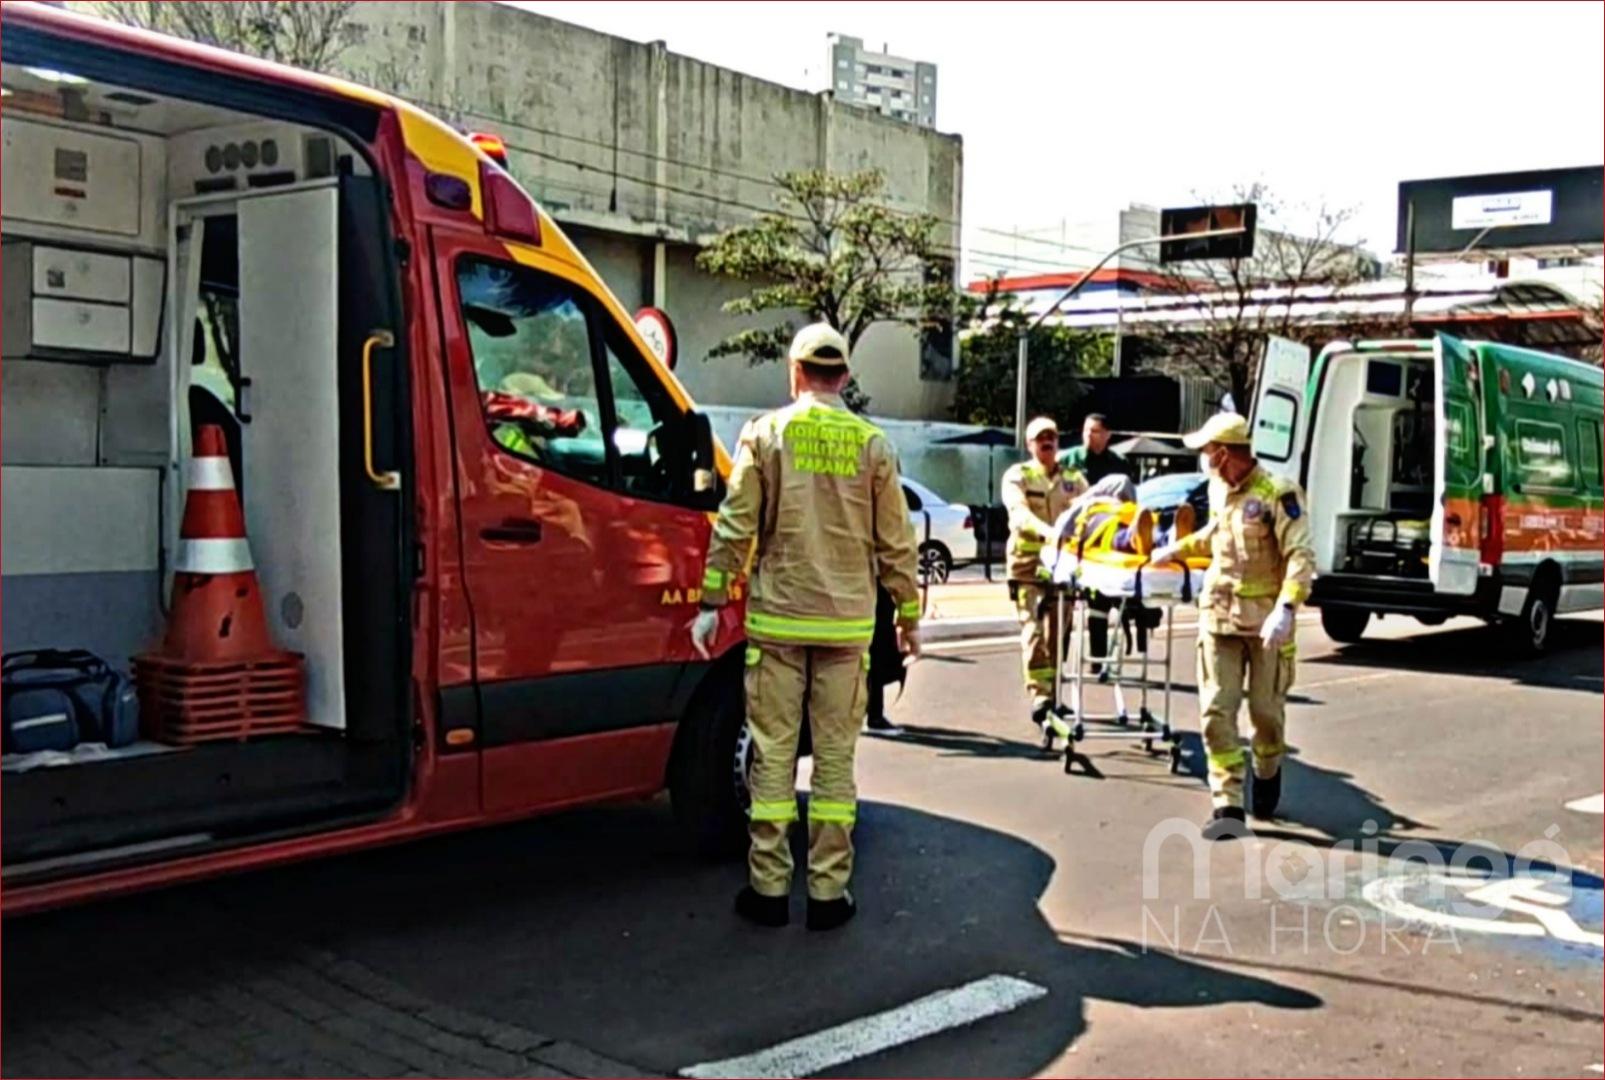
pixel 945 531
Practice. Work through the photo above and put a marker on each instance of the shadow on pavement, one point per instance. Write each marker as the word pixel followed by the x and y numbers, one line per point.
pixel 593 927
pixel 953 742
pixel 1332 803
pixel 1574 662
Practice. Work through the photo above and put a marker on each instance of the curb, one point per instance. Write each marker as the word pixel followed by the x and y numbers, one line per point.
pixel 959 629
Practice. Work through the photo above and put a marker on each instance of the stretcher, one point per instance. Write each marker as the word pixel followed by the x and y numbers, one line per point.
pixel 1097 567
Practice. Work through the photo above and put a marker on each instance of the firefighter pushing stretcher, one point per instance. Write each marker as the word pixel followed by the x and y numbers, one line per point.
pixel 1261 565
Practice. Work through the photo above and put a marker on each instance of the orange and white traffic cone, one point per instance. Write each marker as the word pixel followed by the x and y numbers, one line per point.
pixel 217 673
pixel 217 605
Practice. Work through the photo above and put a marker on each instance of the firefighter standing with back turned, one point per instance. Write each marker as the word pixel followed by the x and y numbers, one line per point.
pixel 816 487
pixel 1035 493
pixel 1261 566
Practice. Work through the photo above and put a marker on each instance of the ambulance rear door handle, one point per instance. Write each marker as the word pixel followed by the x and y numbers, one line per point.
pixel 513 531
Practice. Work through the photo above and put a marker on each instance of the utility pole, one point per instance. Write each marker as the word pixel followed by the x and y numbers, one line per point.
pixel 1025 334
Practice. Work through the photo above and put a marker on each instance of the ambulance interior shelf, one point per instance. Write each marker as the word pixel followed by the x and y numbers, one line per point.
pixel 1386 529
pixel 267 271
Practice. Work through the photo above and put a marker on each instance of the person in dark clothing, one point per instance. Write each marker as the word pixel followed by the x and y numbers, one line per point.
pixel 885 666
pixel 1093 459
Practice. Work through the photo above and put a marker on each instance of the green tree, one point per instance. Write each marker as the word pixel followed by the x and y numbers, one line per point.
pixel 1060 358
pixel 831 251
pixel 305 33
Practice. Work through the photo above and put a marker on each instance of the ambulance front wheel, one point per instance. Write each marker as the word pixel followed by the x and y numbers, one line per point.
pixel 709 764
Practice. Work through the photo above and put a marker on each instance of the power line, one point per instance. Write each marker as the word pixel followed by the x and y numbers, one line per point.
pixel 614 147
pixel 943 249
pixel 713 170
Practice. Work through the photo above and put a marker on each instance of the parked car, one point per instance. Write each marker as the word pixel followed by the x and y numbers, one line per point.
pixel 944 530
pixel 1165 494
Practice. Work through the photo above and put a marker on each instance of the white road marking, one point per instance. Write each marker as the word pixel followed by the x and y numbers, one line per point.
pixel 1524 895
pixel 1350 679
pixel 1594 804
pixel 1597 1068
pixel 810 1054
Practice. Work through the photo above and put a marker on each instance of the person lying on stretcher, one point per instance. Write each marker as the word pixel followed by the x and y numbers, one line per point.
pixel 1103 542
pixel 1105 516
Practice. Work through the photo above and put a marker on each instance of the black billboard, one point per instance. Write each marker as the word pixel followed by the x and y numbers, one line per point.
pixel 1180 221
pixel 1544 208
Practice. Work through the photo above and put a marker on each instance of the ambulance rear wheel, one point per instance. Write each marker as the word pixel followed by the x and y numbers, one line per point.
pixel 1531 631
pixel 1344 624
pixel 708 769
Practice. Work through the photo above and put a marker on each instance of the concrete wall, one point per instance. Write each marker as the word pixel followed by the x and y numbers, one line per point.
pixel 631 145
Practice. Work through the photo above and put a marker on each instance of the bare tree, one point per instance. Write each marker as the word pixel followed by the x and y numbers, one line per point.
pixel 305 33
pixel 1240 302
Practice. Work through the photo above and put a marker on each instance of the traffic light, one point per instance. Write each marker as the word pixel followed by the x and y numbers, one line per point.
pixel 1199 219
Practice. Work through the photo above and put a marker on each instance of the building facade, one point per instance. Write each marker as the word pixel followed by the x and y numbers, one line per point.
pixel 895 86
pixel 643 155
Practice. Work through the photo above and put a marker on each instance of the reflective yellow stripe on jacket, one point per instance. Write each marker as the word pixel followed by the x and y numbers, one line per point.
pixel 798 630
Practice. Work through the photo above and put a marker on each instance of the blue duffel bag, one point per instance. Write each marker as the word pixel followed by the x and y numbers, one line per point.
pixel 55 699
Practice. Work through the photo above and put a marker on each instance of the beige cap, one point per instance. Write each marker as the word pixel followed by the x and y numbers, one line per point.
pixel 1227 428
pixel 820 343
pixel 1040 426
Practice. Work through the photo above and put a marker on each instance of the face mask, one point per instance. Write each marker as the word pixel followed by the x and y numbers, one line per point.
pixel 1203 464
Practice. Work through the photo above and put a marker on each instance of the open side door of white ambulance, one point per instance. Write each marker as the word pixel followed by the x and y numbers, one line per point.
pixel 1457 473
pixel 1280 422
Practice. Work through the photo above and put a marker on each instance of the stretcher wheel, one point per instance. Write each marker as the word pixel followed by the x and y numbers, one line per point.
pixel 1175 757
pixel 1078 732
pixel 1123 720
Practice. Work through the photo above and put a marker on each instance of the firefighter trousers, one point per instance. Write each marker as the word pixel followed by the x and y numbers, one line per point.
pixel 785 684
pixel 1039 625
pixel 1231 666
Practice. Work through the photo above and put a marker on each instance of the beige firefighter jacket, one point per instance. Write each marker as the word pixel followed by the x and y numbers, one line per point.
pixel 1261 555
pixel 816 489
pixel 1034 499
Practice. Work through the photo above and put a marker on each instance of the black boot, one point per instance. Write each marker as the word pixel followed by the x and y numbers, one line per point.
pixel 877 724
pixel 1266 795
pixel 1226 823
pixel 761 910
pixel 829 914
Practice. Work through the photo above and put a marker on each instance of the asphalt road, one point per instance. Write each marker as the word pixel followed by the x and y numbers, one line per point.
pixel 590 944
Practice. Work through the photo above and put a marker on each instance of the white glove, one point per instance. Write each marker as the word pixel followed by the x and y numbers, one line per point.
pixel 703 628
pixel 909 641
pixel 1278 628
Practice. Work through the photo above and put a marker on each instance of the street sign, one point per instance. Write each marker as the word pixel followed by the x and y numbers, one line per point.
pixel 1181 221
pixel 1557 210
pixel 655 327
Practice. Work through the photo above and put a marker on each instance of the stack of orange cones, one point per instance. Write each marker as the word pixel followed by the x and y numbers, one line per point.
pixel 217 674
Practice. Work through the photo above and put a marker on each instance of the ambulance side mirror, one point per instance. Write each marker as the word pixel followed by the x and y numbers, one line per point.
pixel 702 475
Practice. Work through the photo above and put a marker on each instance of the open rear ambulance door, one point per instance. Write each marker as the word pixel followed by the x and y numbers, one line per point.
pixel 1280 422
pixel 1457 480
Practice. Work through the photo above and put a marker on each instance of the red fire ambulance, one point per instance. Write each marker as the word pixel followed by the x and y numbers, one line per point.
pixel 476 501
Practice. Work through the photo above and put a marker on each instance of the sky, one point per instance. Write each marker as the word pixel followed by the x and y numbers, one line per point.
pixel 1071 111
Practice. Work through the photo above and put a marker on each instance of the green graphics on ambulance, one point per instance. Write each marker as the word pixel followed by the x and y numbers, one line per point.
pixel 1445 476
